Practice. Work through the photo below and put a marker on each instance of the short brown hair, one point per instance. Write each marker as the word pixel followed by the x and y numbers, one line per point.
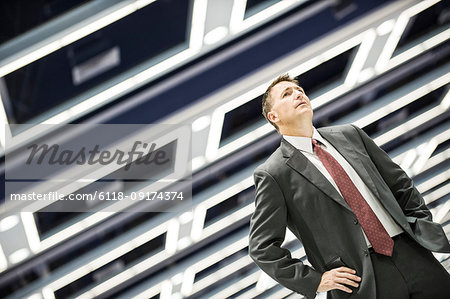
pixel 267 101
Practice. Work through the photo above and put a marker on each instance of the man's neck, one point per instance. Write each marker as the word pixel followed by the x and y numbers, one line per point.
pixel 300 131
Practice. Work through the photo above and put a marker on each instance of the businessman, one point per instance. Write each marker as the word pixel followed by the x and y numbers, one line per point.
pixel 365 228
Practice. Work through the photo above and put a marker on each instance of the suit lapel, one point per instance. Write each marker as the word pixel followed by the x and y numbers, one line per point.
pixel 297 161
pixel 344 147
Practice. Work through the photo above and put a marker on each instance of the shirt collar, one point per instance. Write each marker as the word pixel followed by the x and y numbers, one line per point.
pixel 304 144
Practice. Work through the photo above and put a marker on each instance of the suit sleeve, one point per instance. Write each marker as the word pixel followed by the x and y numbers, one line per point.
pixel 267 232
pixel 400 184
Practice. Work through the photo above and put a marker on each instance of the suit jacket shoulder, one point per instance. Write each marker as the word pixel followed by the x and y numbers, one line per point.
pixel 271 165
pixel 347 129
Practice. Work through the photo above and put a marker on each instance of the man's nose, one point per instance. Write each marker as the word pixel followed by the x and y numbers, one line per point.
pixel 298 93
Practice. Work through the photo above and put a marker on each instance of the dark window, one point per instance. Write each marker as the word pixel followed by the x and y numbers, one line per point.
pixel 254 6
pixel 228 205
pixel 112 268
pixel 17 17
pixel 427 21
pixel 52 80
pixel 399 116
pixel 328 72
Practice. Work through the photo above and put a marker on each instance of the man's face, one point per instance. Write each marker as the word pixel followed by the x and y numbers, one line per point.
pixel 290 105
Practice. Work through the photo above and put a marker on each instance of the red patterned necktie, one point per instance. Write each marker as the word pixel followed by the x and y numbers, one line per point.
pixel 374 230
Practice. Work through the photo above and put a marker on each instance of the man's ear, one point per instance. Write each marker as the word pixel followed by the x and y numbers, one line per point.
pixel 272 116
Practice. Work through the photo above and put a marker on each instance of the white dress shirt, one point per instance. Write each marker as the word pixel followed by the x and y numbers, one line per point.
pixel 304 144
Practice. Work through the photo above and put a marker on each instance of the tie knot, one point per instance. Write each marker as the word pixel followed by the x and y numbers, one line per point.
pixel 315 144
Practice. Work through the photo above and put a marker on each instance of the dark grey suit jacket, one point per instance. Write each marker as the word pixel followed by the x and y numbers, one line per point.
pixel 291 192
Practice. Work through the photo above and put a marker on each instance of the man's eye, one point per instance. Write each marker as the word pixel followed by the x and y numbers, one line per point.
pixel 284 94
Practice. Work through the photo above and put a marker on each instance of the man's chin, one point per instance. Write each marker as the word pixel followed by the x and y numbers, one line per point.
pixel 303 109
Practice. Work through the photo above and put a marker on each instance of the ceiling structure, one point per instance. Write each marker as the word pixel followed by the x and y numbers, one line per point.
pixel 381 65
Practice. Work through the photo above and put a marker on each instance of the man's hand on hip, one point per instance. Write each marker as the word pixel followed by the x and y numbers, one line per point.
pixel 337 279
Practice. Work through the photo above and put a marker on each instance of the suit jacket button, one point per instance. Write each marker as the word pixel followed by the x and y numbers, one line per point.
pixel 366 252
pixel 355 221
